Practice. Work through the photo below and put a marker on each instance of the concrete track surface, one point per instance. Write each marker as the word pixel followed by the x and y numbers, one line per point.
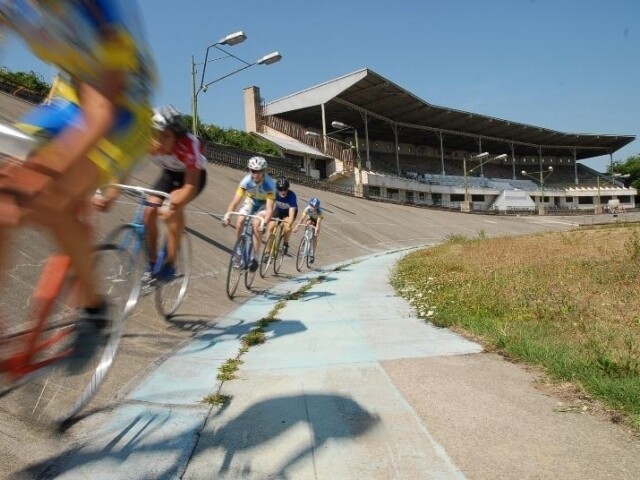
pixel 349 385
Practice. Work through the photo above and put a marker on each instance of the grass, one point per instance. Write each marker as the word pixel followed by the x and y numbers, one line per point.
pixel 566 302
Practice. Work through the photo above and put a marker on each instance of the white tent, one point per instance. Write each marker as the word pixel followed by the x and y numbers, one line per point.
pixel 513 200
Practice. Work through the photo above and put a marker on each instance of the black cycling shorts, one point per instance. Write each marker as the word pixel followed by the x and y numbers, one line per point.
pixel 170 180
pixel 283 214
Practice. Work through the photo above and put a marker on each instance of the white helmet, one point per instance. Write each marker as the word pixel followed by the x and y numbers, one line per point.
pixel 168 117
pixel 257 163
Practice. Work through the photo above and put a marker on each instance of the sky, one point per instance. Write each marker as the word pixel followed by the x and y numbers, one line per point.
pixel 567 65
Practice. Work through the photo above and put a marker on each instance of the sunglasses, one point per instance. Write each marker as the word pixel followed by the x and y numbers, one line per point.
pixel 255 171
pixel 283 189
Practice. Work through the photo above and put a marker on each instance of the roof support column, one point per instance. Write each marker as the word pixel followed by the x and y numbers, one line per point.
pixel 441 136
pixel 397 147
pixel 365 118
pixel 480 151
pixel 513 160
pixel 575 165
pixel 610 163
pixel 324 128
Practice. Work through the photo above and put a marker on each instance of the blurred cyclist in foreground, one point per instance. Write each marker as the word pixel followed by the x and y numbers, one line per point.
pixel 95 127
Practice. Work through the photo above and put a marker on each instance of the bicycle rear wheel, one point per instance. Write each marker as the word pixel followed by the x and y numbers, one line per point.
pixel 267 255
pixel 55 394
pixel 302 253
pixel 170 294
pixel 236 266
pixel 279 249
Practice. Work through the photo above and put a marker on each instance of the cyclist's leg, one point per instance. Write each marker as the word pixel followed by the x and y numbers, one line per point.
pixel 189 186
pixel 151 226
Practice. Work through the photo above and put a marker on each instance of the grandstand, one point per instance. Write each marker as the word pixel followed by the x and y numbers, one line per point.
pixel 396 147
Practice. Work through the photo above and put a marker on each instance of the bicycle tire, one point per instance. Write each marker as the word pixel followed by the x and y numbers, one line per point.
pixel 302 251
pixel 279 252
pixel 169 295
pixel 236 266
pixel 249 276
pixel 55 395
pixel 267 255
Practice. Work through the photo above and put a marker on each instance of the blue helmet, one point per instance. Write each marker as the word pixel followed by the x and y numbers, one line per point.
pixel 314 202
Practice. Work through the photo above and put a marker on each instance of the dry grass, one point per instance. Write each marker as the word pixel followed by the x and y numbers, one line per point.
pixel 568 302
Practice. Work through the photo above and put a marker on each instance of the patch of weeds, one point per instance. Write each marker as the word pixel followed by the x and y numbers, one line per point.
pixel 227 370
pixel 632 247
pixel 254 337
pixel 482 234
pixel 216 399
pixel 456 238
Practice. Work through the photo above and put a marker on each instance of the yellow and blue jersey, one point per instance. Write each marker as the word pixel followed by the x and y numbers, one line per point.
pixel 256 194
pixel 84 39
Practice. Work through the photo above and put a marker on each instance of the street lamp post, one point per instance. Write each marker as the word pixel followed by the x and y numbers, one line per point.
pixel 230 40
pixel 466 205
pixel 544 174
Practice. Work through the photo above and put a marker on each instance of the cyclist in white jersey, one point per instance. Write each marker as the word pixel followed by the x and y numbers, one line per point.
pixel 312 215
pixel 258 190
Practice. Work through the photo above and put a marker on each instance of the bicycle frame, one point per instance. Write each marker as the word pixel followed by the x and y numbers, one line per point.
pixel 241 254
pixel 272 245
pixel 306 244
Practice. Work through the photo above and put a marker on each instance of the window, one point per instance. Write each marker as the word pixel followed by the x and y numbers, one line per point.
pixel 374 191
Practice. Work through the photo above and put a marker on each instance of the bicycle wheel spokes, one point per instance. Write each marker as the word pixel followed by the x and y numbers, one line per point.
pixel 279 252
pixel 57 392
pixel 125 249
pixel 236 267
pixel 302 252
pixel 171 293
pixel 267 255
pixel 248 274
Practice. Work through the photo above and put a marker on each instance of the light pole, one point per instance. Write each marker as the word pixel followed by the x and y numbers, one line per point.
pixel 230 40
pixel 340 127
pixel 466 205
pixel 544 174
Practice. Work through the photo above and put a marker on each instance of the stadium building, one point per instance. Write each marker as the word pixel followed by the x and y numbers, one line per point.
pixel 370 137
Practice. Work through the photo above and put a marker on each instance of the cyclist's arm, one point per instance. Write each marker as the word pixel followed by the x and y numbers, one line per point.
pixel 99 115
pixel 318 222
pixel 235 201
pixel 183 195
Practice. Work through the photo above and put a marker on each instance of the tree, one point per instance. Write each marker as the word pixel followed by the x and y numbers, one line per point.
pixel 630 166
pixel 32 81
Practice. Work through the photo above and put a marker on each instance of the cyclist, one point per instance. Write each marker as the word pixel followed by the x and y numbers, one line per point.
pixel 258 190
pixel 312 215
pixel 286 208
pixel 184 176
pixel 95 126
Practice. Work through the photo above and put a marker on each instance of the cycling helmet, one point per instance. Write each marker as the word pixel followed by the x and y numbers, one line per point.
pixel 314 202
pixel 168 117
pixel 282 184
pixel 257 163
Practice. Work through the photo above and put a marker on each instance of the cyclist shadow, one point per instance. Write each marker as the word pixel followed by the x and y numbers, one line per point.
pixel 326 416
pixel 226 445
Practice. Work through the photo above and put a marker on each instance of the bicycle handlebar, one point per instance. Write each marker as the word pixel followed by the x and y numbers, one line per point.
pixel 138 191
pixel 240 214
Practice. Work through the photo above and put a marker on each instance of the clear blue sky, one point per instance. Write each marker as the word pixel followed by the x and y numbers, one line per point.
pixel 568 65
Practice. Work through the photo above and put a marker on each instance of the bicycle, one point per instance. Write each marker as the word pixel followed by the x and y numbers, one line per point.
pixel 306 244
pixel 39 377
pixel 131 237
pixel 241 256
pixel 273 249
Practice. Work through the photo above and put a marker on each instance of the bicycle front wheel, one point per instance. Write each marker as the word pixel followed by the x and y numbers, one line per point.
pixel 250 274
pixel 61 390
pixel 279 252
pixel 302 253
pixel 170 293
pixel 267 255
pixel 236 266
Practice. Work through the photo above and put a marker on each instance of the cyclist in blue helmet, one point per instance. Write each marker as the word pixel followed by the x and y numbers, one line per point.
pixel 312 215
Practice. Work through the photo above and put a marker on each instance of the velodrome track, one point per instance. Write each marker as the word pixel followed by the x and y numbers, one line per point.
pixel 353 228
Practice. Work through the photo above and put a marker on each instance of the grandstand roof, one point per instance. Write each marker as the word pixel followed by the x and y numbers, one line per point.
pixel 418 122
pixel 292 145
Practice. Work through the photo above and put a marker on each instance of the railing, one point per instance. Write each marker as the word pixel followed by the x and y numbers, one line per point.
pixel 333 148
pixel 278 167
